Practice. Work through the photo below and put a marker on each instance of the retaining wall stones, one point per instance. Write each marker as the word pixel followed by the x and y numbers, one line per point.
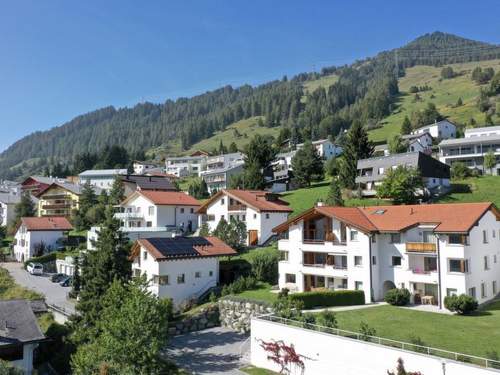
pixel 236 313
pixel 206 318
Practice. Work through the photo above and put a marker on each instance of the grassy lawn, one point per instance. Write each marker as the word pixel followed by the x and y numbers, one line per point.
pixel 262 293
pixel 445 95
pixel 474 335
pixel 475 189
pixel 251 370
pixel 10 290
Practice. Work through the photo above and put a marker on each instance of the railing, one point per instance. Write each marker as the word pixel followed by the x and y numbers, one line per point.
pixel 237 207
pixel 56 206
pixel 420 247
pixel 426 350
pixel 129 215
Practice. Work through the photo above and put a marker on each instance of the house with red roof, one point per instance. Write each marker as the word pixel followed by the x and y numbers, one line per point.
pixel 433 250
pixel 259 210
pixel 181 268
pixel 36 236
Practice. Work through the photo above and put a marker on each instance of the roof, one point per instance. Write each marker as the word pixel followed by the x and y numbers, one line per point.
pixel 182 247
pixel 447 218
pixel 102 172
pixel 470 140
pixel 48 223
pixel 10 198
pixel 18 323
pixel 260 200
pixel 165 198
pixel 435 124
pixel 483 129
pixel 409 137
pixel 150 182
pixel 73 188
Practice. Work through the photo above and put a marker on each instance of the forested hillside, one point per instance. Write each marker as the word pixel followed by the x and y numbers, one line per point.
pixel 310 105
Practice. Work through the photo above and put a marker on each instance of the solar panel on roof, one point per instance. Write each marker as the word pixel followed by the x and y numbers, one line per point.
pixel 178 246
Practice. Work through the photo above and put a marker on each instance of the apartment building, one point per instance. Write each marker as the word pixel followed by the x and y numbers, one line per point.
pixel 183 166
pixel 471 149
pixel 259 210
pixel 439 129
pixel 278 174
pixel 143 167
pixel 218 179
pixel 432 250
pixel 60 199
pixel 180 268
pixel 371 172
pixel 101 178
pixel 325 148
pixel 223 161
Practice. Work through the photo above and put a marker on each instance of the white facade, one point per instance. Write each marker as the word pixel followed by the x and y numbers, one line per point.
pixel 442 130
pixel 426 263
pixel 481 132
pixel 7 208
pixel 141 167
pixel 218 179
pixel 186 165
pixel 101 178
pixel 66 266
pixel 181 280
pixel 26 241
pixel 325 148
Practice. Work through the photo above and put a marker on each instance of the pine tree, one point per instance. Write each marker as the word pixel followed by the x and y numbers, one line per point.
pixel 357 147
pixel 25 207
pixel 117 193
pixel 233 147
pixel 406 126
pixel 307 165
pixel 87 201
pixel 222 149
pixel 334 197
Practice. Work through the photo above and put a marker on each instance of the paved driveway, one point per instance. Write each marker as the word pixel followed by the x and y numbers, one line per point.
pixel 54 293
pixel 214 351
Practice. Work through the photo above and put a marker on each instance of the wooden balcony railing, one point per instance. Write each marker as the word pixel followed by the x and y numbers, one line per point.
pixel 237 207
pixel 420 247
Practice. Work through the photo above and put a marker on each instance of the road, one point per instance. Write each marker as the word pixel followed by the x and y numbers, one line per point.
pixel 53 292
pixel 214 351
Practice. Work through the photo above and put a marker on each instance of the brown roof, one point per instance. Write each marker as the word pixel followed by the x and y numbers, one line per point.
pixel 257 199
pixel 46 223
pixel 182 247
pixel 167 198
pixel 447 218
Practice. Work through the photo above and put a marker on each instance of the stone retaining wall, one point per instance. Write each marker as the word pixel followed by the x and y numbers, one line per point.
pixel 206 318
pixel 236 313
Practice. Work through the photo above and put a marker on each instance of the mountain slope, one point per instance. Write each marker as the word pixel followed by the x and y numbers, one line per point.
pixel 311 104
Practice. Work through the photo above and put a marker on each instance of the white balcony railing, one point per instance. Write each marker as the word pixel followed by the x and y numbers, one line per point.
pixel 129 215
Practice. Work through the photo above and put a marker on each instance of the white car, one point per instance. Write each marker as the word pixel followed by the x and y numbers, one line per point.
pixel 35 268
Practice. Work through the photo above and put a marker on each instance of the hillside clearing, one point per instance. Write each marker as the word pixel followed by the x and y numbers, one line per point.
pixel 474 189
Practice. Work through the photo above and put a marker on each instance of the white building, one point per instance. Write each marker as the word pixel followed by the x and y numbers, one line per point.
pixel 218 179
pixel 8 203
pixel 35 234
pixel 180 268
pixel 183 166
pixel 432 250
pixel 146 211
pixel 325 148
pixel 481 132
pixel 279 174
pixel 101 178
pixel 440 130
pixel 143 167
pixel 259 210
pixel 223 161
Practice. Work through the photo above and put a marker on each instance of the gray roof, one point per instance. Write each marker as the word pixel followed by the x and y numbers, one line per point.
pixel 470 141
pixel 236 165
pixel 484 128
pixel 409 137
pixel 47 180
pixel 8 198
pixel 18 323
pixel 150 182
pixel 102 172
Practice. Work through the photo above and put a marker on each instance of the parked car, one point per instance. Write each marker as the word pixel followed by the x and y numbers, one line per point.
pixel 35 268
pixel 58 277
pixel 67 281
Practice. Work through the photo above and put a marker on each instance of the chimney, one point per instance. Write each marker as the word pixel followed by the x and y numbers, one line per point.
pixel 411 210
pixel 320 203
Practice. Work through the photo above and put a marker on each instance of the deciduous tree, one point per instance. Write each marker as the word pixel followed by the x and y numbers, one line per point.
pixel 401 185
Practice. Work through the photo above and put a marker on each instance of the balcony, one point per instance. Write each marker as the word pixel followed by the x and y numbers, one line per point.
pixel 59 206
pixel 55 196
pixel 312 237
pixel 128 215
pixel 421 247
pixel 237 207
pixel 320 260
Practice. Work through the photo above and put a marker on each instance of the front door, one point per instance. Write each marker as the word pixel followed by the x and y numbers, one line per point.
pixel 253 237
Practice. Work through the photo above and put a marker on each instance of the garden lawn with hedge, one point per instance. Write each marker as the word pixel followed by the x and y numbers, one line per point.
pixel 327 298
pixel 477 334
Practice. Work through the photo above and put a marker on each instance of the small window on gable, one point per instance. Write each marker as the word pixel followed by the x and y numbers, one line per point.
pixel 222 201
pixel 144 255
pixel 353 235
pixel 182 210
pixel 396 261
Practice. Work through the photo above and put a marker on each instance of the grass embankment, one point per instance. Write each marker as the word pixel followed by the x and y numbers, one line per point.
pixel 10 290
pixel 477 335
pixel 444 94
pixel 474 189
pixel 251 370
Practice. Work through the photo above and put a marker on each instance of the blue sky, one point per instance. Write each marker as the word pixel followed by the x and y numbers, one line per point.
pixel 59 59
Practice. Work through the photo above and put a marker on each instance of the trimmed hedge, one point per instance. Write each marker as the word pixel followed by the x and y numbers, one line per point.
pixel 329 298
pixel 50 257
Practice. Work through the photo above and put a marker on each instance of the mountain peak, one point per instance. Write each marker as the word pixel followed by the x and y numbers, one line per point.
pixel 442 40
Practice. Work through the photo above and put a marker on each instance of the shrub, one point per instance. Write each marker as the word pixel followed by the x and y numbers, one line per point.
pixel 366 331
pixel 397 297
pixel 462 304
pixel 50 257
pixel 287 308
pixel 330 298
pixel 265 265
pixel 460 171
pixel 327 319
pixel 240 285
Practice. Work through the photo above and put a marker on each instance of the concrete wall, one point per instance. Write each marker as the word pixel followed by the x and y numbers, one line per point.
pixel 325 354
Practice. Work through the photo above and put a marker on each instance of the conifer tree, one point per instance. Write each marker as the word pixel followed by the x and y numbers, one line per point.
pixel 334 197
pixel 25 207
pixel 307 165
pixel 117 193
pixel 406 126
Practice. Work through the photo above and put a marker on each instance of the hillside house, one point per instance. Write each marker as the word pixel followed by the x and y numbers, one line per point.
pixel 325 148
pixel 439 129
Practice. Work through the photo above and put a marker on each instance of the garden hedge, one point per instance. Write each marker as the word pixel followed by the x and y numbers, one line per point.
pixel 50 257
pixel 328 298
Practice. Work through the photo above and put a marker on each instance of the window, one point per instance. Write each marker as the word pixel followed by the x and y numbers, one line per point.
pixel 149 224
pixel 472 292
pixel 494 288
pixel 395 237
pixel 485 236
pixel 290 278
pixel 358 260
pixel 458 265
pixel 182 210
pixel 396 261
pixel 427 237
pixel 284 256
pixel 255 216
pixel 197 274
pixel 374 239
pixel 222 201
pixel 210 273
pixel 151 210
pixel 267 216
pixel 374 260
pixel 451 292
pixel 181 279
pixel 160 280
pixel 353 235
pixel 457 239
pixel 494 258
pixel 486 261
pixel 483 290
pixel 493 233
pixel 144 255
pixel 381 170
pixel 137 272
pixel 344 283
pixel 243 217
pixel 358 285
pixel 191 210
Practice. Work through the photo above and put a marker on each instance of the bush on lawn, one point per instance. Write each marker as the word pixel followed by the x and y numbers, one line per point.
pixel 240 285
pixel 265 266
pixel 397 297
pixel 462 304
pixel 330 298
pixel 46 258
pixel 327 319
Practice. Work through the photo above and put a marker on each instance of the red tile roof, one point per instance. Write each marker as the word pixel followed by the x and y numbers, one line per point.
pixel 46 223
pixel 169 198
pixel 262 201
pixel 447 218
pixel 182 247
